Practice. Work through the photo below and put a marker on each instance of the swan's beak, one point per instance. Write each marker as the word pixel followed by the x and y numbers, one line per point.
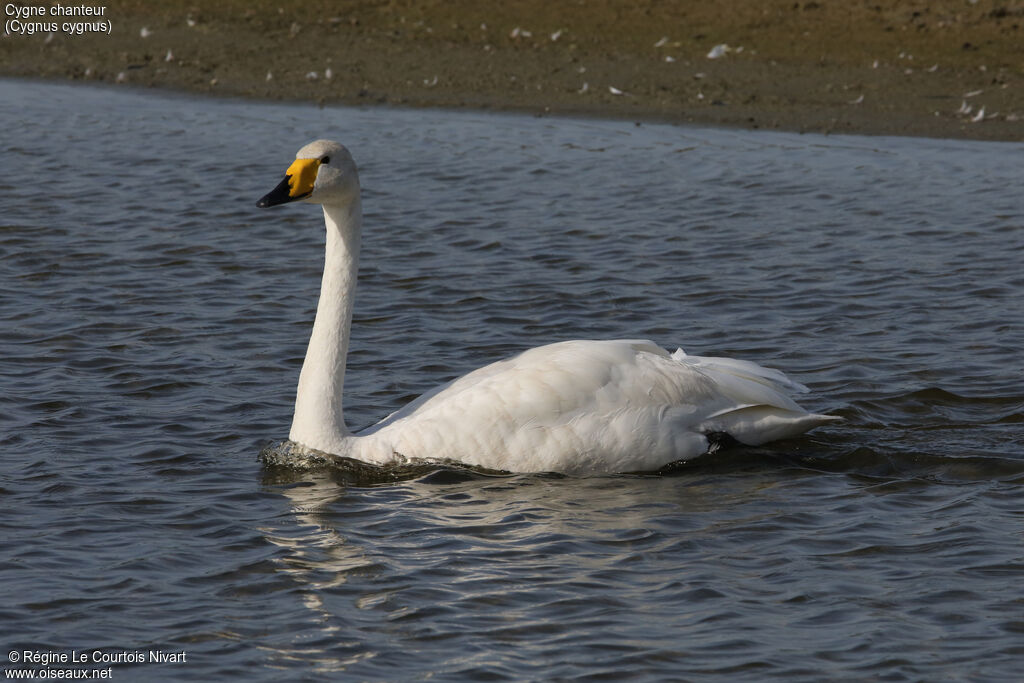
pixel 297 184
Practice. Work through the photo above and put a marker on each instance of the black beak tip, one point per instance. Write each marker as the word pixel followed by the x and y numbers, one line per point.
pixel 279 195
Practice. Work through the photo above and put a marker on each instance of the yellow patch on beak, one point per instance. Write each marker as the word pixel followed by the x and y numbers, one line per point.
pixel 301 176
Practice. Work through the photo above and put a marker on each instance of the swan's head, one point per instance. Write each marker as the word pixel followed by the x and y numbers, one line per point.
pixel 323 173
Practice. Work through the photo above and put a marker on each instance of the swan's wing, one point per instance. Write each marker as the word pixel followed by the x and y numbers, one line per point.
pixel 591 406
pixel 553 371
pixel 743 369
pixel 536 411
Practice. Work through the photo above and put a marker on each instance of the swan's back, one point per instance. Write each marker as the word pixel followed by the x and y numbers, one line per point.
pixel 589 407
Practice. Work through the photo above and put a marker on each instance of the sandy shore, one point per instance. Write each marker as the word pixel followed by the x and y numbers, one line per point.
pixel 945 68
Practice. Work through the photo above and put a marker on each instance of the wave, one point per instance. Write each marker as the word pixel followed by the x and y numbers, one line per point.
pixel 837 454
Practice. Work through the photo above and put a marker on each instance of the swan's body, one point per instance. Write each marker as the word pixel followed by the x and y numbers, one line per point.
pixel 578 407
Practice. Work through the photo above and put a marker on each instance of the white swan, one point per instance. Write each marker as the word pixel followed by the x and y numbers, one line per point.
pixel 579 407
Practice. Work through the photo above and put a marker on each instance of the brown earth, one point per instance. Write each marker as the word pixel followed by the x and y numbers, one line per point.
pixel 911 67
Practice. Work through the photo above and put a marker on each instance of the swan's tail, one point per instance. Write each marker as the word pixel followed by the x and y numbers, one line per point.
pixel 763 410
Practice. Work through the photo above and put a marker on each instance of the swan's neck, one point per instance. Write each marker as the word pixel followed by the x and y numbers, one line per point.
pixel 319 421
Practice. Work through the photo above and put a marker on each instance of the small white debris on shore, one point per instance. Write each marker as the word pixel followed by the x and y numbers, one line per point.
pixel 718 51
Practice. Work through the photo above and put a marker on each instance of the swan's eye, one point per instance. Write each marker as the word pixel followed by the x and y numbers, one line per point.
pixel 325 160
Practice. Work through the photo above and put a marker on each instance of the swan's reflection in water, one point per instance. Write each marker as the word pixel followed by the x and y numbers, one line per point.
pixel 318 558
pixel 476 568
